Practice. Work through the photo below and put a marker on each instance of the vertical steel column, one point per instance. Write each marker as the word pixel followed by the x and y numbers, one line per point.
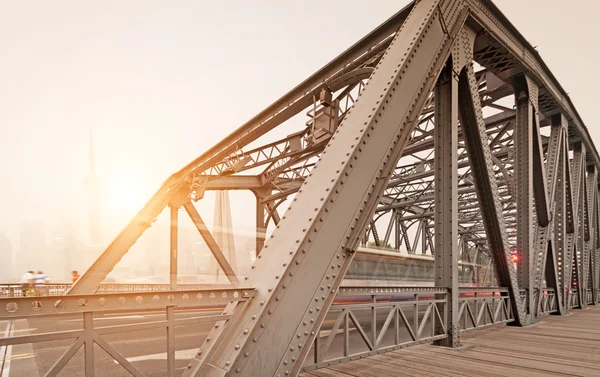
pixel 388 231
pixel 524 190
pixel 398 230
pixel 597 243
pixel 585 260
pixel 88 346
pixel 477 267
pixel 556 262
pixel 261 227
pixel 569 216
pixel 170 341
pixel 446 203
pixel 423 236
pixel 578 179
pixel 174 253
pixel 592 191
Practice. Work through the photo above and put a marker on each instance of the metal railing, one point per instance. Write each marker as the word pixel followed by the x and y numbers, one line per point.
pixel 9 290
pixel 572 299
pixel 88 305
pixel 483 307
pixel 363 321
pixel 380 319
pixel 367 321
pixel 546 301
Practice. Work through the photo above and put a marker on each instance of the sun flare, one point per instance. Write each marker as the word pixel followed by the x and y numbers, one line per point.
pixel 124 193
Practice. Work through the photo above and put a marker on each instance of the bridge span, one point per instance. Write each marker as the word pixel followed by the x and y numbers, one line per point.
pixel 441 136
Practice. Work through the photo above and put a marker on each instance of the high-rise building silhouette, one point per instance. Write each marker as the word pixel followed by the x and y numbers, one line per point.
pixel 68 246
pixel 7 271
pixel 33 251
pixel 93 185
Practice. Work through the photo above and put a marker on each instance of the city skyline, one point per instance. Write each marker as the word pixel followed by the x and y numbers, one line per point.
pixel 157 87
pixel 60 248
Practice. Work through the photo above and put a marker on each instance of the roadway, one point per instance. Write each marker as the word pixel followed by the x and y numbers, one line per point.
pixel 146 350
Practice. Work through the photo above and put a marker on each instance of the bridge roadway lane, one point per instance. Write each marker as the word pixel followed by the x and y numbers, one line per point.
pixel 146 350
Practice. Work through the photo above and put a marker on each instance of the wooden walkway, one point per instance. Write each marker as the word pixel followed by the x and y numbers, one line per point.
pixel 558 346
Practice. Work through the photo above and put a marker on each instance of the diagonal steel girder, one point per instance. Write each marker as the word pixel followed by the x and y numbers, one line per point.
pixel 487 189
pixel 305 259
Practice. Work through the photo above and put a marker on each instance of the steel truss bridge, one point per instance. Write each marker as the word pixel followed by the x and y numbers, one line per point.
pixel 442 132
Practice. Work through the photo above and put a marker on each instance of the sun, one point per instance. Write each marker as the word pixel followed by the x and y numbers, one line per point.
pixel 124 193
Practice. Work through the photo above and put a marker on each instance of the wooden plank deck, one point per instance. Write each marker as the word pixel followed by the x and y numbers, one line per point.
pixel 558 346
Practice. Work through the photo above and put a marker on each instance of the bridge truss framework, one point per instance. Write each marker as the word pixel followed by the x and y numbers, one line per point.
pixel 442 125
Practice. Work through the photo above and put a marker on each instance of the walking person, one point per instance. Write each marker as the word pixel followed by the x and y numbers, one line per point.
pixel 40 280
pixel 27 283
pixel 75 276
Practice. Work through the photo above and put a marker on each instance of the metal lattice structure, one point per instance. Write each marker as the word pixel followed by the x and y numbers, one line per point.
pixel 443 133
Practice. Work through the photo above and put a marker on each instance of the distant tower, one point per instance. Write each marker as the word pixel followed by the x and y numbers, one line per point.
pixel 93 186
pixel 223 233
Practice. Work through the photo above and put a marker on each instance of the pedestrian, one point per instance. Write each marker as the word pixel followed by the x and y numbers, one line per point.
pixel 27 283
pixel 75 276
pixel 40 280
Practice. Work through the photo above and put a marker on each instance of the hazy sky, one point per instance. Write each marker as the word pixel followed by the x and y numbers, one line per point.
pixel 161 81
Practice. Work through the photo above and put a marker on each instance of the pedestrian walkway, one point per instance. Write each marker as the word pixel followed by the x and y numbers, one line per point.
pixel 557 346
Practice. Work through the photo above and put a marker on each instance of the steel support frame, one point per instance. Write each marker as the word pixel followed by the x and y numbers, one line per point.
pixel 592 207
pixel 211 242
pixel 550 240
pixel 525 97
pixel 446 193
pixel 261 224
pixel 174 225
pixel 576 239
pixel 476 143
pixel 559 213
pixel 303 263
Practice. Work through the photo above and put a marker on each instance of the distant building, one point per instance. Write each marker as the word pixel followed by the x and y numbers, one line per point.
pixel 68 251
pixel 7 271
pixel 33 251
pixel 93 186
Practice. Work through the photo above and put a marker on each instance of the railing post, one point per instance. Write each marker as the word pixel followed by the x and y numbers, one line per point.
pixel 170 341
pixel 416 315
pixel 88 346
pixel 374 319
pixel 346 333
